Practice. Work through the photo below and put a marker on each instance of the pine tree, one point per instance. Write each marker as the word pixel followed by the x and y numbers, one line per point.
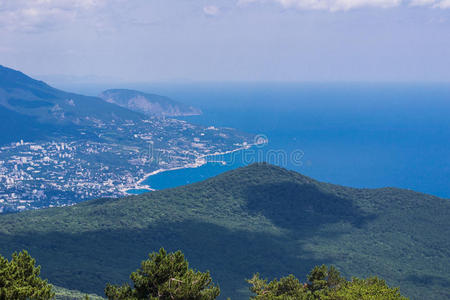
pixel 19 279
pixel 324 283
pixel 166 276
pixel 372 288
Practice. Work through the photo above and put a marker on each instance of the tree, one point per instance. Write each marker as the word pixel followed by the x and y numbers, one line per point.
pixel 324 283
pixel 322 280
pixel 19 279
pixel 165 276
pixel 287 288
pixel 372 288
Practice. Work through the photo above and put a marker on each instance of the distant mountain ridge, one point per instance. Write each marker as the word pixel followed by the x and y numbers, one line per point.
pixel 30 97
pixel 34 110
pixel 148 104
pixel 260 218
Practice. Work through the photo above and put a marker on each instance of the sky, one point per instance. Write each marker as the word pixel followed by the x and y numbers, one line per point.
pixel 227 40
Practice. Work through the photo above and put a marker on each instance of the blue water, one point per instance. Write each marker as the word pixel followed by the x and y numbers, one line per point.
pixel 136 191
pixel 215 165
pixel 361 135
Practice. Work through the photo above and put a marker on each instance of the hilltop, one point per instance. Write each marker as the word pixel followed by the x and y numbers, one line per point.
pixel 260 218
pixel 148 104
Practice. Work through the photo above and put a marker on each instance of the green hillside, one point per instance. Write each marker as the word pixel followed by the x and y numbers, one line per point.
pixel 260 218
pixel 32 110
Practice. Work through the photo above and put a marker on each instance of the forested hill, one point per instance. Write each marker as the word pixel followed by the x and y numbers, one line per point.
pixel 259 218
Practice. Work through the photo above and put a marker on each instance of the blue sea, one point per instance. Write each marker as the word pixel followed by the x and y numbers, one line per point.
pixel 353 134
pixel 215 165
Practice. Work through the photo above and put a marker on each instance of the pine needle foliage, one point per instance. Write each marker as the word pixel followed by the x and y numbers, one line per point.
pixel 165 276
pixel 324 283
pixel 19 279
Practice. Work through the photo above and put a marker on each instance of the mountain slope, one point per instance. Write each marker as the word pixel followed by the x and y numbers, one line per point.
pixel 260 218
pixel 15 126
pixel 32 98
pixel 149 104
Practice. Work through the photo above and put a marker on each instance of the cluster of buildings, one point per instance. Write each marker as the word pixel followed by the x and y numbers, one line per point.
pixel 58 173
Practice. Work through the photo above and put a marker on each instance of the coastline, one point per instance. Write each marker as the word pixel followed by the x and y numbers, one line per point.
pixel 200 160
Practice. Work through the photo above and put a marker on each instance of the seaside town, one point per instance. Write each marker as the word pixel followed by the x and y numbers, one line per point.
pixel 69 170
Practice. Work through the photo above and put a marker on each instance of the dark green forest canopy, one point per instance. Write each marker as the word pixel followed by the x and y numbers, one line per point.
pixel 259 218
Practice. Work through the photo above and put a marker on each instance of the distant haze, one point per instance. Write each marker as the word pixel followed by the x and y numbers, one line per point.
pixel 218 40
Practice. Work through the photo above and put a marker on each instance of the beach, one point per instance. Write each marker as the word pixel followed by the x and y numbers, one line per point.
pixel 200 161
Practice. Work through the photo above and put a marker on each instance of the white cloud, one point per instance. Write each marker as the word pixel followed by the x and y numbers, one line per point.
pixel 344 5
pixel 331 5
pixel 35 15
pixel 211 10
pixel 44 15
pixel 421 2
pixel 444 4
